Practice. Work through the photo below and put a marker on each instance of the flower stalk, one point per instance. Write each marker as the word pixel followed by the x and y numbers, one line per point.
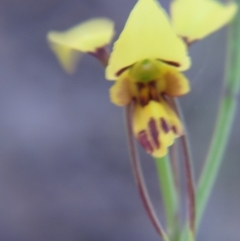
pixel 169 194
pixel 136 166
pixel 189 175
pixel 224 123
pixel 227 111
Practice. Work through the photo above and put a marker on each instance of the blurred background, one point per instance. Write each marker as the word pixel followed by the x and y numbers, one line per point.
pixel 64 168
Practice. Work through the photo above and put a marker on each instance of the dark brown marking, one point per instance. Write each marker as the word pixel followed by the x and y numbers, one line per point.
pixel 164 125
pixel 187 42
pixel 174 128
pixel 122 70
pixel 143 100
pixel 175 64
pixel 142 93
pixel 143 140
pixel 153 94
pixel 154 132
pixel 140 86
pixel 102 54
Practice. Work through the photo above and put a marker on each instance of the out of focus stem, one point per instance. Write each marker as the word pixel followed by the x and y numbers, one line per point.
pixel 224 122
pixel 169 194
pixel 188 166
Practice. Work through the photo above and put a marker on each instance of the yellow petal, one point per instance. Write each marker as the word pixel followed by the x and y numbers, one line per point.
pixel 120 93
pixel 176 84
pixel 195 19
pixel 147 35
pixel 67 57
pixel 156 126
pixel 85 37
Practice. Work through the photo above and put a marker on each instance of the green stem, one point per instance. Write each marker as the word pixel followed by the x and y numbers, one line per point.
pixel 227 111
pixel 225 118
pixel 169 194
pixel 174 157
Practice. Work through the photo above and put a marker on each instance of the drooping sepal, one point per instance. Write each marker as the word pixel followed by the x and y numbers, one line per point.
pixel 91 37
pixel 67 57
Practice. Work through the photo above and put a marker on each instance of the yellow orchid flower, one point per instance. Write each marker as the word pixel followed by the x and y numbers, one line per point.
pixel 146 60
pixel 195 19
pixel 91 37
pixel 145 63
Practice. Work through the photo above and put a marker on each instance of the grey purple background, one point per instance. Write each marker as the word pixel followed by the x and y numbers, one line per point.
pixel 64 168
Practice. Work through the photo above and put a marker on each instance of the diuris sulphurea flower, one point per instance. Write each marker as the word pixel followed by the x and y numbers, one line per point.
pixel 145 63
pixel 146 60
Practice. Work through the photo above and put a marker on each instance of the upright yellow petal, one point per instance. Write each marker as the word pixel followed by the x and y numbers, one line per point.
pixel 195 19
pixel 147 35
pixel 86 37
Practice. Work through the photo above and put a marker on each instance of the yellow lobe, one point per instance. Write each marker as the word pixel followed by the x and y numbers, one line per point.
pixel 195 19
pixel 85 37
pixel 155 127
pixel 147 35
pixel 175 83
pixel 120 92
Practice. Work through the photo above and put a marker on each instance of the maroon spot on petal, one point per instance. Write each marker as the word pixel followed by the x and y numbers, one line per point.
pixel 164 125
pixel 143 101
pixel 153 93
pixel 140 86
pixel 174 128
pixel 154 131
pixel 152 84
pixel 143 140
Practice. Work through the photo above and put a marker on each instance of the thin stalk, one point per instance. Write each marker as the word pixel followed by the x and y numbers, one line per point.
pixel 189 176
pixel 174 157
pixel 137 170
pixel 224 122
pixel 169 195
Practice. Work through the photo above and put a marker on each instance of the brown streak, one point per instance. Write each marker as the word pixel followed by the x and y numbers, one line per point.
pixel 175 64
pixel 143 140
pixel 174 129
pixel 154 132
pixel 140 86
pixel 153 94
pixel 164 125
pixel 122 70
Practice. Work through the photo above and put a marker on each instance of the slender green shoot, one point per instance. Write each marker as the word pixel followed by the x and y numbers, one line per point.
pixel 224 122
pixel 169 194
